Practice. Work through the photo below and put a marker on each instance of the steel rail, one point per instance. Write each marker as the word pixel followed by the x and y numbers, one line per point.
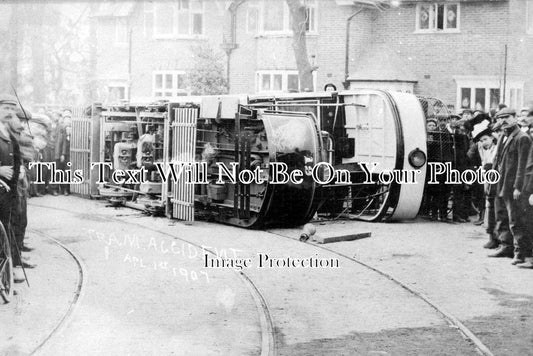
pixel 77 296
pixel 268 343
pixel 446 315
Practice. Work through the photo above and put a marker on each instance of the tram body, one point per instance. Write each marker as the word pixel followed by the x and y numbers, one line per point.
pixel 300 130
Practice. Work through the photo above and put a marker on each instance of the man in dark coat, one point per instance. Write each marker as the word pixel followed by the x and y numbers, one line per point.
pixel 63 148
pixel 9 170
pixel 528 197
pixel 19 213
pixel 511 160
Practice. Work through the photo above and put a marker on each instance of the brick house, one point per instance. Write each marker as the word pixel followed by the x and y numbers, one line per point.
pixel 453 50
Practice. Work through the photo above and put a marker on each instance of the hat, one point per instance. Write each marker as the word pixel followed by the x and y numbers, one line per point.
pixel 462 111
pixel 23 113
pixel 67 113
pixel 456 117
pixel 481 129
pixel 505 112
pixel 8 99
pixel 478 118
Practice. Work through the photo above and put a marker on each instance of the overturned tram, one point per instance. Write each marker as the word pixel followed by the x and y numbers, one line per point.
pixel 361 133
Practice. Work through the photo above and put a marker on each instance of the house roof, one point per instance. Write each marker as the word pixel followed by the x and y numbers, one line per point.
pixel 379 63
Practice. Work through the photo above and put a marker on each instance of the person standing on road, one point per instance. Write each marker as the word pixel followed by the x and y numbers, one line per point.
pixel 49 152
pixel 19 214
pixel 511 161
pixel 485 148
pixel 9 170
pixel 63 148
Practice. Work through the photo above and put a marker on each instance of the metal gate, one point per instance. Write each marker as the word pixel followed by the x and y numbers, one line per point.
pixel 183 151
pixel 80 149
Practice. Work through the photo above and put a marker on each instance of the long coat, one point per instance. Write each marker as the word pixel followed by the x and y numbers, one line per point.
pixel 62 144
pixel 512 163
pixel 528 180
pixel 10 156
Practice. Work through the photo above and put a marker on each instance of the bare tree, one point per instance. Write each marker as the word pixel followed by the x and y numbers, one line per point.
pixel 14 38
pixel 298 12
pixel 37 54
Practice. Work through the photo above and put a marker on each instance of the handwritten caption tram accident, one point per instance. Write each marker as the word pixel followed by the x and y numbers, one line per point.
pixel 275 173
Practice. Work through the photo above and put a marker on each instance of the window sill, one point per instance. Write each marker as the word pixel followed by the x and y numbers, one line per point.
pixel 435 32
pixel 180 37
pixel 281 34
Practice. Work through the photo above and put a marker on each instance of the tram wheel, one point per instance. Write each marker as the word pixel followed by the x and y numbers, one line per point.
pixel 6 267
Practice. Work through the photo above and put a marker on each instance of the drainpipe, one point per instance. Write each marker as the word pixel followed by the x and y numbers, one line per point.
pixel 130 51
pixel 228 47
pixel 347 50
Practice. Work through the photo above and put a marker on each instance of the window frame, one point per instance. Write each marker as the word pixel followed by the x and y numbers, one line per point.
pixel 125 27
pixel 176 9
pixel 529 17
pixel 174 90
pixel 284 80
pixel 286 30
pixel 514 89
pixel 148 12
pixel 434 28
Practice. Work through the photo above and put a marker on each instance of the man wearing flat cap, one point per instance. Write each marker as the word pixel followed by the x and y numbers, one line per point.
pixel 9 166
pixel 511 160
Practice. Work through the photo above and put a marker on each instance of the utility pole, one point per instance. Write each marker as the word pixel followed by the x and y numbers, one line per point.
pixel 504 73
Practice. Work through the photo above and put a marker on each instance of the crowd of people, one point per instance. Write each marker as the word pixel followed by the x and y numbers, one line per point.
pixel 500 140
pixel 26 138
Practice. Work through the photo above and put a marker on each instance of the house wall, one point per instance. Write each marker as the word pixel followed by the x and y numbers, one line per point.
pixel 435 58
pixel 275 52
pixel 520 48
pixel 150 54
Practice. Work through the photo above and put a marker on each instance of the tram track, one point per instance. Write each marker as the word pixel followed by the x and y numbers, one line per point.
pixel 268 337
pixel 447 316
pixel 82 276
pixel 268 343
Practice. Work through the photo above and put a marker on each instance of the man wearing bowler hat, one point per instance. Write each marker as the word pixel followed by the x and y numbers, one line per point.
pixel 511 160
pixel 9 169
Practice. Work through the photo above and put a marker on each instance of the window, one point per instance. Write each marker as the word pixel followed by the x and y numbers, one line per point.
pixel 439 17
pixel 183 18
pixel 148 19
pixel 529 25
pixel 121 30
pixel 485 93
pixel 279 81
pixel 116 93
pixel 273 17
pixel 169 84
